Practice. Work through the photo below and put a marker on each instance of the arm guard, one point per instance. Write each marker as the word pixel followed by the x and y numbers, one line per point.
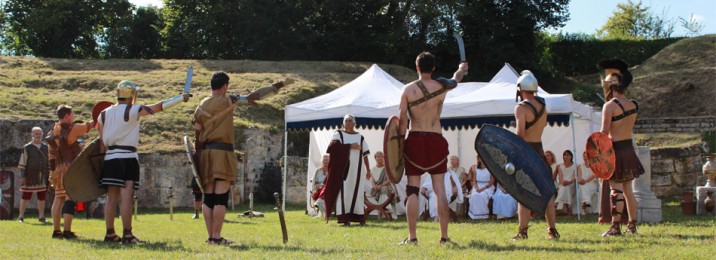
pixel 447 83
pixel 174 101
pixel 239 98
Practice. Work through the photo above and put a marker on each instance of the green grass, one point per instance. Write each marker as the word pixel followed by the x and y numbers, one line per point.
pixel 677 237
pixel 667 140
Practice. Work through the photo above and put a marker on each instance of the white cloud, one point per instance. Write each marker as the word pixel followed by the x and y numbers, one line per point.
pixel 697 18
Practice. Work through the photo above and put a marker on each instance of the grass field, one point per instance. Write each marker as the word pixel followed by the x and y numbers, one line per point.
pixel 677 237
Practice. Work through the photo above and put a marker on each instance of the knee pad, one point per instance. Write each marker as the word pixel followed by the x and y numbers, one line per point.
pixel 69 207
pixel 209 200
pixel 615 199
pixel 411 190
pixel 221 199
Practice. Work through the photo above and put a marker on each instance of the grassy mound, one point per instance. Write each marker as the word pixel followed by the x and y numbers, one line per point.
pixel 32 88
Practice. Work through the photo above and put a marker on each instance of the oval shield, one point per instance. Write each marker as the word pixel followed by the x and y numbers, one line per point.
pixel 600 155
pixel 102 105
pixel 394 161
pixel 82 178
pixel 516 166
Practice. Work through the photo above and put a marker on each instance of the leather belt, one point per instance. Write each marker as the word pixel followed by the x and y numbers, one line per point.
pixel 123 147
pixel 219 146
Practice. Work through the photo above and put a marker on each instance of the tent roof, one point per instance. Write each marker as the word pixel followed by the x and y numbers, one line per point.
pixel 374 96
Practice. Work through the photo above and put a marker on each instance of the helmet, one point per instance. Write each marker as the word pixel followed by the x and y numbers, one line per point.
pixel 527 82
pixel 127 89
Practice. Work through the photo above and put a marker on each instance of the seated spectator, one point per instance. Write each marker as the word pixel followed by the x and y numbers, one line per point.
pixel 503 204
pixel 588 185
pixel 319 178
pixel 483 187
pixel 428 200
pixel 566 175
pixel 378 187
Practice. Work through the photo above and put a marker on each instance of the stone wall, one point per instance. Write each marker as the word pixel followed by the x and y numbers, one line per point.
pixel 159 171
pixel 676 170
pixel 674 125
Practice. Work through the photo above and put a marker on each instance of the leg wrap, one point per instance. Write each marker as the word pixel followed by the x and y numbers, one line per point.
pixel 69 207
pixel 616 199
pixel 411 190
pixel 221 199
pixel 209 200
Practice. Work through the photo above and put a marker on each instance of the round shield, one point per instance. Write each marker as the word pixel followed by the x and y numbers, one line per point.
pixel 102 105
pixel 600 155
pixel 394 161
pixel 82 178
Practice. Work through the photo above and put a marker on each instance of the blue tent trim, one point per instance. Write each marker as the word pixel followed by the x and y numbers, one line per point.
pixel 447 124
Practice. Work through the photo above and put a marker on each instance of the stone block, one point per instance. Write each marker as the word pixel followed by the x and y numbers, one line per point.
pixel 686 180
pixel 701 196
pixel 662 166
pixel 660 180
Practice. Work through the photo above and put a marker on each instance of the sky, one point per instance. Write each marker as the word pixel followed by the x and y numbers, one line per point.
pixel 586 16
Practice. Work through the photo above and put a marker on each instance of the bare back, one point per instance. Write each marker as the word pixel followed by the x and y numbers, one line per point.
pixel 524 114
pixel 424 117
pixel 621 129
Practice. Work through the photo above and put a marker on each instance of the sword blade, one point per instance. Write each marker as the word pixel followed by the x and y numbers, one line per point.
pixel 460 46
pixel 189 76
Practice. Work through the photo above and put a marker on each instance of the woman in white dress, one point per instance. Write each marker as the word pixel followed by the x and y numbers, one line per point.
pixel 587 185
pixel 483 187
pixel 552 164
pixel 503 204
pixel 566 174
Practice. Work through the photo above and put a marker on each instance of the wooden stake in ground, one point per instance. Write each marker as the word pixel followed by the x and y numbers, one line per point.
pixel 281 218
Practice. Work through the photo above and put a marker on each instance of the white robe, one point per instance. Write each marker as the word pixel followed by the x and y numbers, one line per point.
pixel 431 203
pixel 479 200
pixel 566 193
pixel 503 204
pixel 354 178
pixel 368 192
pixel 587 190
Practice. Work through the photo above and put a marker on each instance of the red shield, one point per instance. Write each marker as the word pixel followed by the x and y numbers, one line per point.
pixel 102 105
pixel 600 155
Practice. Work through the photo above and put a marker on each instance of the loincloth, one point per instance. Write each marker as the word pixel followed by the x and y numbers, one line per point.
pixel 425 152
pixel 627 166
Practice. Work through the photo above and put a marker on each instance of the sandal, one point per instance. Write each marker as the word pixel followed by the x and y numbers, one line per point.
pixel 614 230
pixel 522 234
pixel 445 240
pixel 114 238
pixel 57 234
pixel 407 241
pixel 631 227
pixel 69 235
pixel 220 241
pixel 130 239
pixel 552 234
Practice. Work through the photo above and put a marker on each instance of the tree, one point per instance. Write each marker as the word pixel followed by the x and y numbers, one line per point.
pixel 135 36
pixel 692 26
pixel 58 28
pixel 634 21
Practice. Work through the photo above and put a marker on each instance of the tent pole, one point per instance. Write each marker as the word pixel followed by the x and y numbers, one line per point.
pixel 574 147
pixel 285 166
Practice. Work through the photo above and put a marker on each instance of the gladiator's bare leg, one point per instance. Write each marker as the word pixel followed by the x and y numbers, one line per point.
pixel 411 208
pixel 442 203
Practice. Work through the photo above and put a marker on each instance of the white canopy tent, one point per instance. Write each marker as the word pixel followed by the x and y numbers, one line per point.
pixel 374 96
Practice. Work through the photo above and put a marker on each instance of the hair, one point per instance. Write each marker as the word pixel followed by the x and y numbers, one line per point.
pixel 619 86
pixel 63 110
pixel 376 154
pixel 425 62
pixel 219 79
pixel 551 153
pixel 351 117
pixel 480 163
pixel 570 154
pixel 36 128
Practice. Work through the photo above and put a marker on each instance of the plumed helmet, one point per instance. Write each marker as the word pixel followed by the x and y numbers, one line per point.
pixel 617 64
pixel 127 89
pixel 527 81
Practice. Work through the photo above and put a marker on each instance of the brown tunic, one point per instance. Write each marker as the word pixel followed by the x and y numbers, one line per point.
pixel 64 148
pixel 216 164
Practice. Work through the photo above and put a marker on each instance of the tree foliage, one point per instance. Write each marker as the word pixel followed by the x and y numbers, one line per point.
pixel 633 21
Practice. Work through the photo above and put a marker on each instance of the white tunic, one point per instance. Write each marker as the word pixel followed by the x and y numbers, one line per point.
pixel 353 186
pixel 432 201
pixel 504 204
pixel 566 193
pixel 115 131
pixel 479 200
pixel 587 190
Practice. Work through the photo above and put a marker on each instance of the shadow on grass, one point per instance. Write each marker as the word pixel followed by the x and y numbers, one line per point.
pixel 113 64
pixel 247 246
pixel 149 245
pixel 687 237
pixel 497 248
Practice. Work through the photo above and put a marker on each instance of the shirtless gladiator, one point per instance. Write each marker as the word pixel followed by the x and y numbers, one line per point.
pixel 425 148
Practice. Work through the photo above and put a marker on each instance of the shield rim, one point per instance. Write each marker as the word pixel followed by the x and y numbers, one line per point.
pixel 188 145
pixel 386 141
pixel 93 191
pixel 99 107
